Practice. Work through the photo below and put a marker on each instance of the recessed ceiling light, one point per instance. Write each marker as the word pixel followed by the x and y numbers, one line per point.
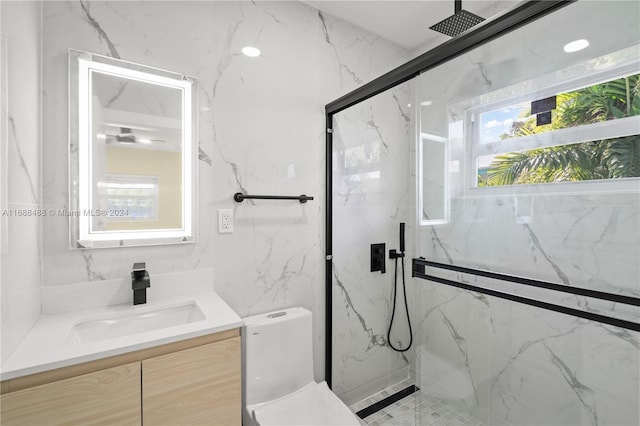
pixel 576 45
pixel 426 103
pixel 251 52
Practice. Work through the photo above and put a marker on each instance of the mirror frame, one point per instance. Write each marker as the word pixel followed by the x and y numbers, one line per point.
pixel 82 66
pixel 422 138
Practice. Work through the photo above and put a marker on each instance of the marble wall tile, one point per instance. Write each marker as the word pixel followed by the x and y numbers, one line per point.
pixel 352 57
pixel 269 139
pixel 21 273
pixel 588 240
pixel 543 367
pixel 261 131
pixel 452 349
pixel 372 195
pixel 97 294
pixel 589 370
pixel 158 34
pixel 525 365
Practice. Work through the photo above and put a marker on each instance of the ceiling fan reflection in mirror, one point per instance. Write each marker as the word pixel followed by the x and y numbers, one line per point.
pixel 126 136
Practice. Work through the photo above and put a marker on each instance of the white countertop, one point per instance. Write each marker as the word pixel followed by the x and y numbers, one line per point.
pixel 48 345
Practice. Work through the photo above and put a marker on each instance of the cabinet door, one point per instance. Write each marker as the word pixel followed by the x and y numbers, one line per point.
pixel 198 386
pixel 105 397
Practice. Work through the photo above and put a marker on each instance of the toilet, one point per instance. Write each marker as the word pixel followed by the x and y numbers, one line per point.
pixel 278 387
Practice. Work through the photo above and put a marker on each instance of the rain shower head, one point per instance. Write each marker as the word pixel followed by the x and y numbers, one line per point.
pixel 458 23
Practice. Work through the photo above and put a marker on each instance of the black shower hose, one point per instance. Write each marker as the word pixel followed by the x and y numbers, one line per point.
pixel 406 307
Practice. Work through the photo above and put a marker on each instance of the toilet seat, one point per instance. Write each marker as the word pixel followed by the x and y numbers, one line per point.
pixel 313 404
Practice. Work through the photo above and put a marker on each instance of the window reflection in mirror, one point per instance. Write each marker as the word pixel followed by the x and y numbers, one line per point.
pixel 134 129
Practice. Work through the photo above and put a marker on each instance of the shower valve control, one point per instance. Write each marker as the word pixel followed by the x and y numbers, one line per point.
pixel 377 258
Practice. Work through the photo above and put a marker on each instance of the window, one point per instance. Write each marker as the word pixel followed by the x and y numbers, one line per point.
pixel 587 131
pixel 136 195
pixel 361 168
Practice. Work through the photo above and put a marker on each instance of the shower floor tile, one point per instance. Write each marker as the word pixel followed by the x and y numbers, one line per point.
pixel 433 411
pixel 380 395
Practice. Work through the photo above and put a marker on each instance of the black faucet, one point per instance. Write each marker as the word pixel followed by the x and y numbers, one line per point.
pixel 140 281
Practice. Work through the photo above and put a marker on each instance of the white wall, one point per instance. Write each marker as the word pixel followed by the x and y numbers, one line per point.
pixel 21 266
pixel 261 131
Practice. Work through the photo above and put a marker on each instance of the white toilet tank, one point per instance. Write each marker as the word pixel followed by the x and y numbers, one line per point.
pixel 278 354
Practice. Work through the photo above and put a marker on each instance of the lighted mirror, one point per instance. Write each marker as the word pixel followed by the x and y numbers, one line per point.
pixel 433 166
pixel 433 192
pixel 133 133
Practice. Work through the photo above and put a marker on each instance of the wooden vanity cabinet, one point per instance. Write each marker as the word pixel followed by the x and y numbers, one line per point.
pixel 105 397
pixel 195 381
pixel 199 386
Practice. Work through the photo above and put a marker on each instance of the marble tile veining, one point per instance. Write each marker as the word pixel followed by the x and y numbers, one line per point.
pixel 21 261
pixel 513 363
pixel 371 197
pixel 261 130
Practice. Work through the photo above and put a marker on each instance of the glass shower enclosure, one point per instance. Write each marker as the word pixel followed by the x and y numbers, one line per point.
pixel 515 164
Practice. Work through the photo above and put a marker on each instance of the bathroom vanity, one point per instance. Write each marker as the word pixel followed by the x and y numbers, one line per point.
pixel 183 374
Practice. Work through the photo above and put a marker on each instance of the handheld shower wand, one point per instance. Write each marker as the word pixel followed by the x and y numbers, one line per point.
pixel 395 255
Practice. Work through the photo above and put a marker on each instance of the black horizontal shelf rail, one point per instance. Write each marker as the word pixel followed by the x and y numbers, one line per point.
pixel 418 271
pixel 618 298
pixel 240 197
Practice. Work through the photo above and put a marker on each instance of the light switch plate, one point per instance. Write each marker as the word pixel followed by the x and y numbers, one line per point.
pixel 225 221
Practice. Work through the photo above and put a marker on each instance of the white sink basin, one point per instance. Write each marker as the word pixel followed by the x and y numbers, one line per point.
pixel 128 323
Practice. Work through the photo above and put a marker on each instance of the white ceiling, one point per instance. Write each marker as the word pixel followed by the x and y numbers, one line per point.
pixel 405 23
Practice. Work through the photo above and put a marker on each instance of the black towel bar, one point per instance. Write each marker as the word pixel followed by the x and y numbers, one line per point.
pixel 240 197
